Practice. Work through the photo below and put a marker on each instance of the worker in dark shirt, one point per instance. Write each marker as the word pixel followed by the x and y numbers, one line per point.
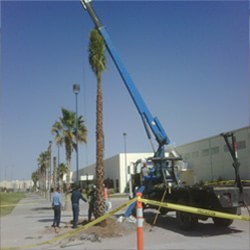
pixel 75 197
pixel 92 201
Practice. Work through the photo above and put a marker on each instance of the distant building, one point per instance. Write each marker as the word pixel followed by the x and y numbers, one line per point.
pixel 207 159
pixel 16 185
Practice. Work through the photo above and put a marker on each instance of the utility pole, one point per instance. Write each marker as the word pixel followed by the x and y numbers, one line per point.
pixel 76 89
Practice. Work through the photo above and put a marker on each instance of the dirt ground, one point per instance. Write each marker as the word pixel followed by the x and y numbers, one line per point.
pixel 113 228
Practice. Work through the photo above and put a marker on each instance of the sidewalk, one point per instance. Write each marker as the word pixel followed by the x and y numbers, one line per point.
pixel 25 225
pixel 30 224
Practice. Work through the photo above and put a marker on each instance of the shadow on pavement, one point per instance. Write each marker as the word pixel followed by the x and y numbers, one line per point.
pixel 203 228
pixel 41 208
pixel 46 220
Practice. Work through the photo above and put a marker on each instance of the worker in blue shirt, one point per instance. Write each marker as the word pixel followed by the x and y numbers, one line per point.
pixel 57 206
pixel 75 197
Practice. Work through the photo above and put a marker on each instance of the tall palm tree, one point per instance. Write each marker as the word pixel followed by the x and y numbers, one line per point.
pixel 97 61
pixel 59 143
pixel 43 166
pixel 65 133
pixel 55 174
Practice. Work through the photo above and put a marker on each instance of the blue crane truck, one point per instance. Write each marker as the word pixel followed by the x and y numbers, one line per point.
pixel 157 177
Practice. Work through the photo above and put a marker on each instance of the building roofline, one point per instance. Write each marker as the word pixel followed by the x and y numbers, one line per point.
pixel 214 136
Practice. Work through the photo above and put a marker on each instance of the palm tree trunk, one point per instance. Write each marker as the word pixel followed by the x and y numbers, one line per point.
pixel 44 183
pixel 67 194
pixel 100 208
pixel 54 174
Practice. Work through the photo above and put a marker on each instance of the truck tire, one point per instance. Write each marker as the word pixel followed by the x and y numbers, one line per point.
pixel 220 222
pixel 186 221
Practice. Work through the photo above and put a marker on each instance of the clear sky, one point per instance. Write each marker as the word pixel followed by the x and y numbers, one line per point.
pixel 189 60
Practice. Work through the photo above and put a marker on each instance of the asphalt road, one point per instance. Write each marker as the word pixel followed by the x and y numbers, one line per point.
pixel 25 227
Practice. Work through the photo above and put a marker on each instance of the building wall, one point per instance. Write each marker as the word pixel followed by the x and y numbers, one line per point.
pixel 209 159
pixel 126 159
pixel 114 168
pixel 17 185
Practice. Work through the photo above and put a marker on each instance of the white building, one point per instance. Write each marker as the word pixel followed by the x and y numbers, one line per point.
pixel 115 169
pixel 17 185
pixel 208 159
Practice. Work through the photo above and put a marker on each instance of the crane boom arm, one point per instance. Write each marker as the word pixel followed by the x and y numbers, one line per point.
pixel 147 118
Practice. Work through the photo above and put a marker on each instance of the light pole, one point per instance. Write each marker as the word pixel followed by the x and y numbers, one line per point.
pixel 125 154
pixel 49 175
pixel 58 165
pixel 76 89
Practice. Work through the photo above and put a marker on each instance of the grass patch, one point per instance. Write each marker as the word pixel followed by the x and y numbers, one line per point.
pixel 8 202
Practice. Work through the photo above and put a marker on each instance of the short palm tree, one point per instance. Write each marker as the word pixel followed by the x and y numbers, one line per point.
pixel 35 178
pixel 62 171
pixel 65 133
pixel 97 61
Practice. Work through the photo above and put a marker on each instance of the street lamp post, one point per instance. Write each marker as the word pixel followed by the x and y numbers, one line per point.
pixel 76 89
pixel 58 165
pixel 49 175
pixel 125 154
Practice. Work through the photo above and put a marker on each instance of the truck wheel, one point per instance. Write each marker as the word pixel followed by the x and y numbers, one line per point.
pixel 186 221
pixel 220 222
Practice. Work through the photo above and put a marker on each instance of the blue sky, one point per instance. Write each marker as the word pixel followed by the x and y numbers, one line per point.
pixel 189 61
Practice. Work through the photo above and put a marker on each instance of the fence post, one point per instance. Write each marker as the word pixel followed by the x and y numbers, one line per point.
pixel 139 221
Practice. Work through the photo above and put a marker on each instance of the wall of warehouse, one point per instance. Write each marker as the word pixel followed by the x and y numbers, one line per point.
pixel 207 159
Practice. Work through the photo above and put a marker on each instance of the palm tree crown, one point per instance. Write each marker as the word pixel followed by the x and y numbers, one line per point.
pixel 97 57
pixel 65 133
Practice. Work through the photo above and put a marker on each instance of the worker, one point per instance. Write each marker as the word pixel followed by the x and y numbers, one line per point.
pixel 108 203
pixel 147 173
pixel 92 202
pixel 57 206
pixel 75 198
pixel 144 169
pixel 106 195
pixel 149 176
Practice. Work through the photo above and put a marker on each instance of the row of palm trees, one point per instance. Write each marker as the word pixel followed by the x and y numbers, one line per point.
pixel 41 175
pixel 65 134
pixel 64 130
